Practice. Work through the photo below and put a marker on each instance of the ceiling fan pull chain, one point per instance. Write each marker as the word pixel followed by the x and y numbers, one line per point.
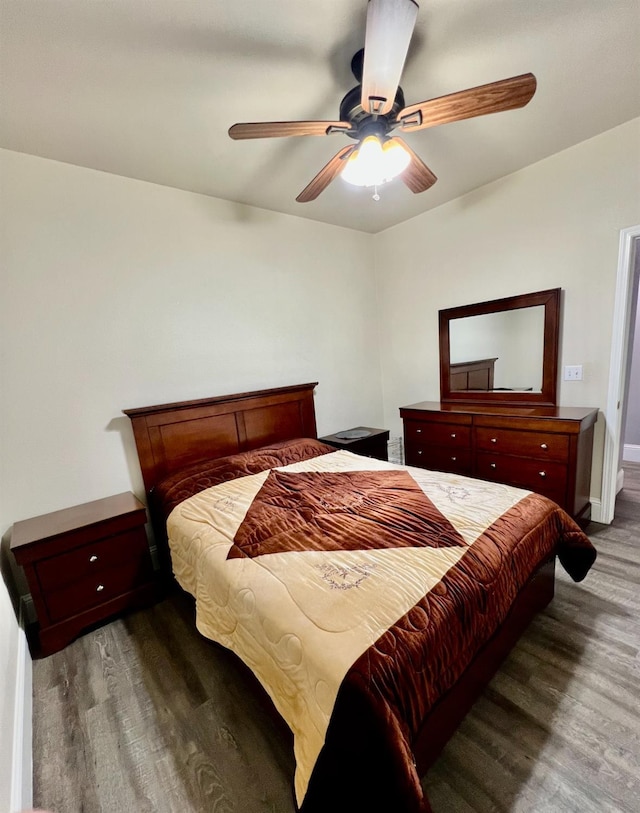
pixel 376 196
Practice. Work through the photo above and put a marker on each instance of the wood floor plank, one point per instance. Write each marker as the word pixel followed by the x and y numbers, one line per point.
pixel 146 715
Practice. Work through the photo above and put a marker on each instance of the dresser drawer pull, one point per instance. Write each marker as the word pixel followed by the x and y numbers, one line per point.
pixel 454 459
pixel 453 434
pixel 93 558
pixel 542 473
pixel 419 451
pixel 543 446
pixel 99 588
pixel 494 440
pixel 493 465
pixel 418 431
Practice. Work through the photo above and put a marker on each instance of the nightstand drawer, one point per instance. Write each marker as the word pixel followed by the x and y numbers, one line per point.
pixel 541 445
pixel 92 591
pixel 451 435
pixel 545 478
pixel 88 560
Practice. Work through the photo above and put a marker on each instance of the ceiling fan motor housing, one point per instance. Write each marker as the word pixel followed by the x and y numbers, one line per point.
pixel 351 110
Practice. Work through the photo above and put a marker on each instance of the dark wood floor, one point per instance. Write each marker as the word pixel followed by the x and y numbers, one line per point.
pixel 145 715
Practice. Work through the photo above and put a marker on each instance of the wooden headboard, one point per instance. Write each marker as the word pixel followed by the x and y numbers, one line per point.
pixel 171 436
pixel 472 375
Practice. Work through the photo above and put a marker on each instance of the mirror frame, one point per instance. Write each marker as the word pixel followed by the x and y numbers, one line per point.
pixel 547 397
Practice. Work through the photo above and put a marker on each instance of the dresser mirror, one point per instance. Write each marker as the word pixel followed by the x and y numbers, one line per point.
pixel 501 352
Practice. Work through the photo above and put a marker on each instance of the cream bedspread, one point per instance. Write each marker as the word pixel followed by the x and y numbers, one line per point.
pixel 300 619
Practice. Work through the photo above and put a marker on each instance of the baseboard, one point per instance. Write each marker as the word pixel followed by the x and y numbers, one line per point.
pixel 22 761
pixel 596 510
pixel 631 453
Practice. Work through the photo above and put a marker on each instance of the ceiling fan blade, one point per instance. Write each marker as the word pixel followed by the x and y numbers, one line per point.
pixel 417 176
pixel 325 176
pixel 507 94
pixel 390 24
pixel 277 129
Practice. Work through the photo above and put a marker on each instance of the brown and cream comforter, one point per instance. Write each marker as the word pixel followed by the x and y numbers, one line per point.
pixel 358 592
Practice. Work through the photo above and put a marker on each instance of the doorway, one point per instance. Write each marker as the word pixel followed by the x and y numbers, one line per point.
pixel 621 351
pixel 630 445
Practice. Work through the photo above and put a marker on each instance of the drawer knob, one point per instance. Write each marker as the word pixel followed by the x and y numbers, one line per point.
pixel 418 431
pixel 454 459
pixel 494 440
pixel 99 588
pixel 93 558
pixel 453 434
pixel 542 473
pixel 493 465
pixel 419 451
pixel 543 446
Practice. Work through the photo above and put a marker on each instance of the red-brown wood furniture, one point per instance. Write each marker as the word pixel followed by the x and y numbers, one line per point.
pixel 373 444
pixel 543 449
pixel 83 565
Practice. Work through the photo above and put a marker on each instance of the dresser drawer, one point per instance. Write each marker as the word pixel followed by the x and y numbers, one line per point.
pixel 439 458
pixel 540 445
pixel 92 591
pixel 545 478
pixel 86 561
pixel 451 435
pixel 509 444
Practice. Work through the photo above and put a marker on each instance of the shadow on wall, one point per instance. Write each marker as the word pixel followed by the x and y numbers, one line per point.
pixel 12 574
pixel 123 426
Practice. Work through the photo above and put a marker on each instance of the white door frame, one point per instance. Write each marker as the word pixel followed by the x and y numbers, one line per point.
pixel 617 370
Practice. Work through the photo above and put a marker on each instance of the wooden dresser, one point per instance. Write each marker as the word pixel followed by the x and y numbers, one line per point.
pixel 543 449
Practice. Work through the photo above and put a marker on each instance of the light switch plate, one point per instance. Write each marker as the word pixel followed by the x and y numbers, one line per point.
pixel 573 372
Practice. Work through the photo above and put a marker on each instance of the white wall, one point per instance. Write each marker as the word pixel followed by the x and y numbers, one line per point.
pixel 118 293
pixel 554 224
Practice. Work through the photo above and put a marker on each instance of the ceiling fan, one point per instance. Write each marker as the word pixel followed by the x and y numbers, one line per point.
pixel 376 107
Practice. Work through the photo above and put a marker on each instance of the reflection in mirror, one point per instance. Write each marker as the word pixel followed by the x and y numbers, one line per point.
pixel 498 351
pixel 503 351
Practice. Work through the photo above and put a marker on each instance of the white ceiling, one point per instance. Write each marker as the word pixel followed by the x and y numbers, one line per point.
pixel 147 89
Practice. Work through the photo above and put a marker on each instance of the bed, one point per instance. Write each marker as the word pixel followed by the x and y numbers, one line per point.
pixel 373 601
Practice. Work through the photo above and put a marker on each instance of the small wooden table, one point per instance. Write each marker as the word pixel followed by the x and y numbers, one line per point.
pixel 373 444
pixel 83 565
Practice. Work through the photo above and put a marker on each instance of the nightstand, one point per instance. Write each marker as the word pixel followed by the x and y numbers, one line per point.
pixel 371 444
pixel 83 565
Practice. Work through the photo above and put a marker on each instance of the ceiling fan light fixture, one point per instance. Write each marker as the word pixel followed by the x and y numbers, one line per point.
pixel 375 162
pixel 373 109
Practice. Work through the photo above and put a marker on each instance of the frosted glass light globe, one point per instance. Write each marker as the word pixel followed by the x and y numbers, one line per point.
pixel 373 163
